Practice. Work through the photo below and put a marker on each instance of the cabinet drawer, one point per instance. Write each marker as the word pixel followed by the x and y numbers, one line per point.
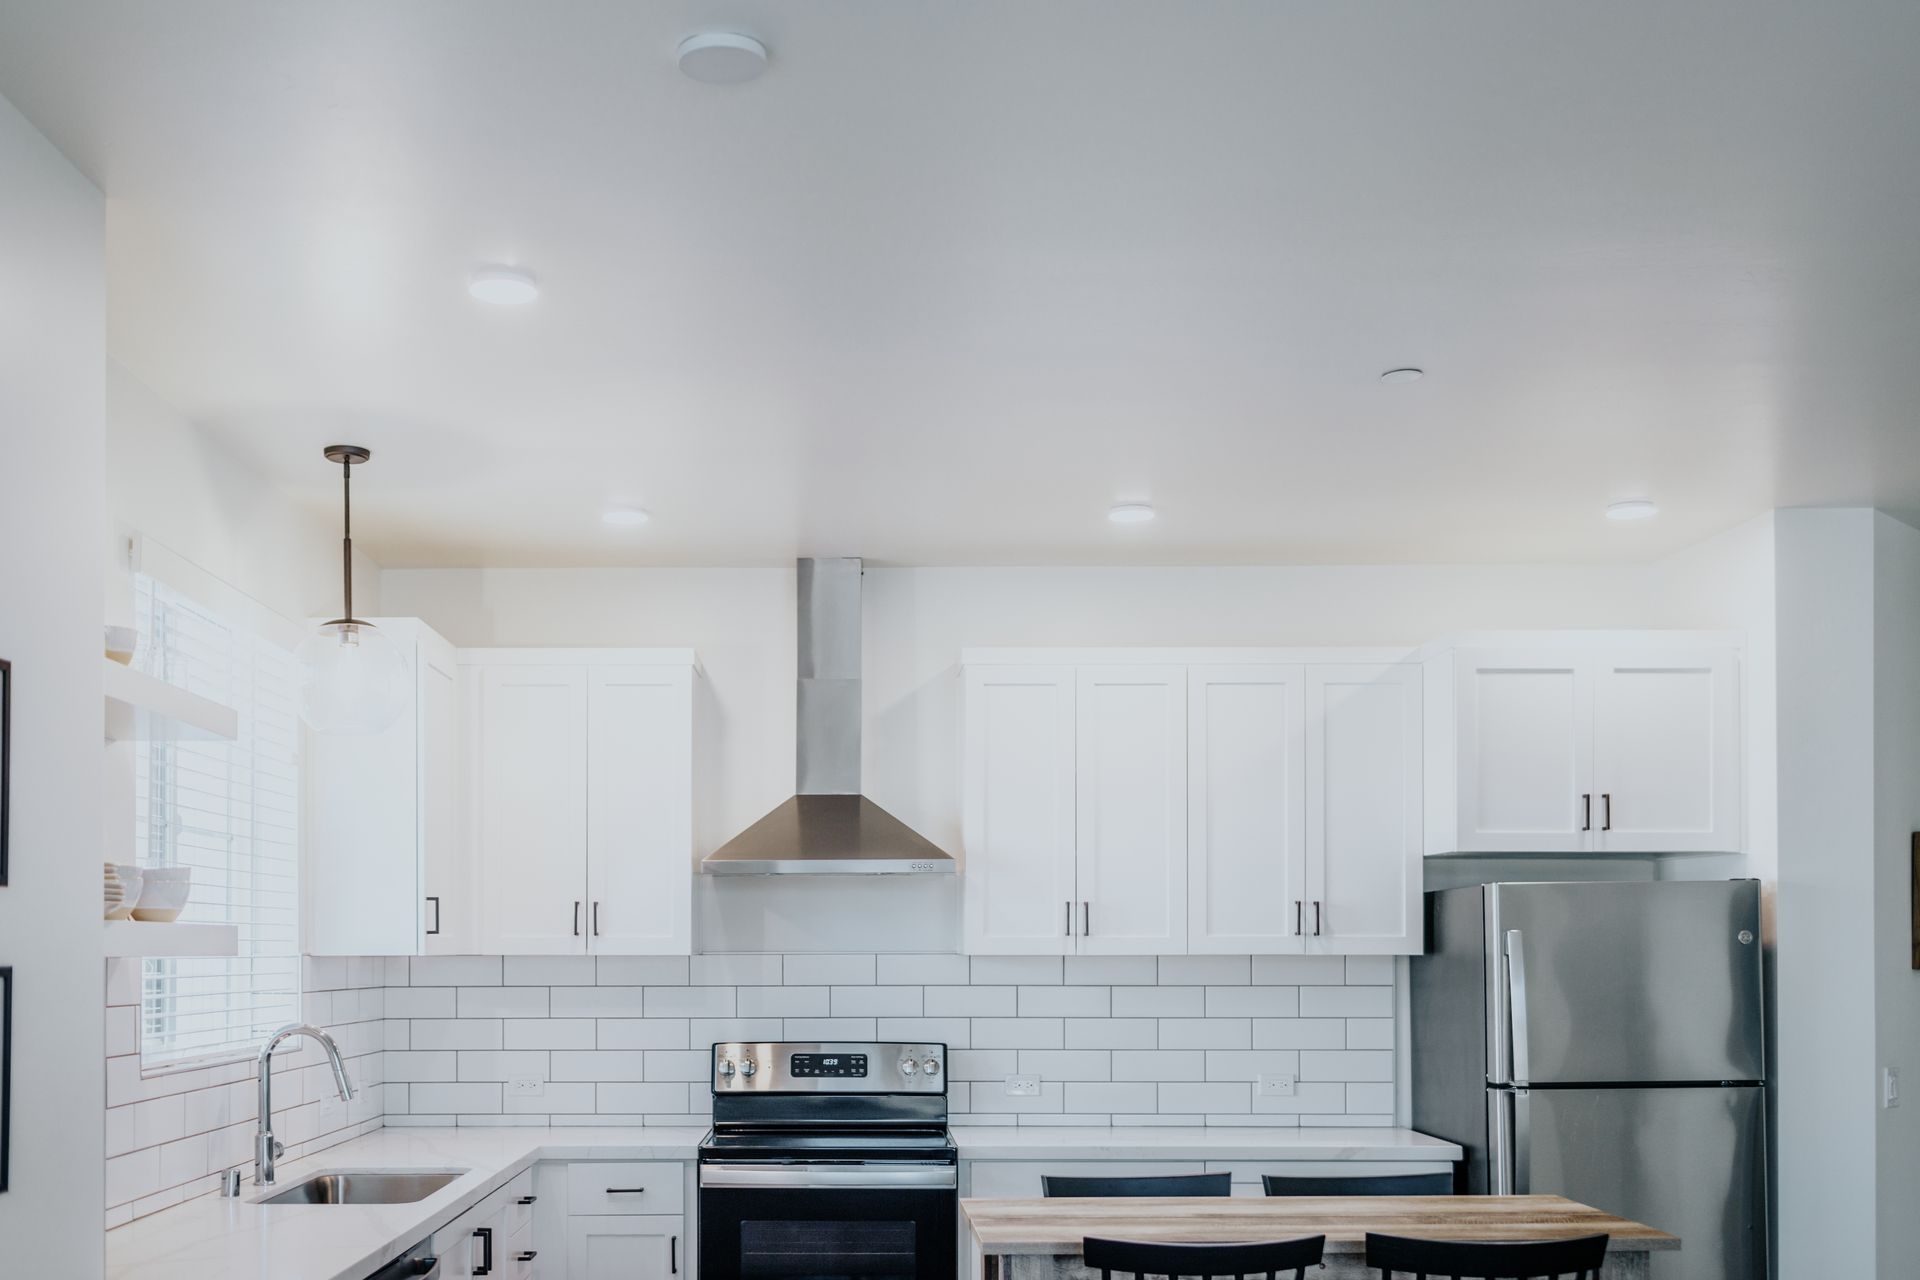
pixel 516 1217
pixel 652 1187
pixel 515 1264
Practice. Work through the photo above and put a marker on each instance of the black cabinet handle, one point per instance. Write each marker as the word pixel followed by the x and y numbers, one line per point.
pixel 485 1236
pixel 1298 907
pixel 625 1191
pixel 436 914
pixel 673 1255
pixel 1586 810
pixel 528 1199
pixel 1606 810
pixel 529 1255
pixel 1316 917
pixel 1086 920
pixel 1069 907
pixel 596 919
pixel 576 919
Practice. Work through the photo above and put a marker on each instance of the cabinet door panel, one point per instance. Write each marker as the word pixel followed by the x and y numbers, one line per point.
pixel 1018 812
pixel 530 807
pixel 640 1248
pixel 1131 791
pixel 451 913
pixel 1364 809
pixel 640 810
pixel 1667 765
pixel 1526 752
pixel 1246 821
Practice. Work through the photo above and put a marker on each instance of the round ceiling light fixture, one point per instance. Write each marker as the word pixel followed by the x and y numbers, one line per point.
pixel 1130 512
pixel 1407 374
pixel 1632 509
pixel 624 517
pixel 504 286
pixel 722 57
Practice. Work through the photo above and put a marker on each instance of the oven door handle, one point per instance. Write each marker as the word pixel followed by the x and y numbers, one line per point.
pixel 878 1177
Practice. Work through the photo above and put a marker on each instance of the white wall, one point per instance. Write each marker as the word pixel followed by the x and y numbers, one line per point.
pixel 1896 781
pixel 1824 1086
pixel 52 363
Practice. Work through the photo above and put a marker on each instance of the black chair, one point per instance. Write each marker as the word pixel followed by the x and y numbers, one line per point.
pixel 1580 1259
pixel 1177 1184
pixel 1408 1184
pixel 1269 1258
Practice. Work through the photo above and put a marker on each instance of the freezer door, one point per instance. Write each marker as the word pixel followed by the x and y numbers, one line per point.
pixel 1690 1161
pixel 1647 983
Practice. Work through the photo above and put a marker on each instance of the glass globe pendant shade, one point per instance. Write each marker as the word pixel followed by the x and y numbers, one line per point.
pixel 353 678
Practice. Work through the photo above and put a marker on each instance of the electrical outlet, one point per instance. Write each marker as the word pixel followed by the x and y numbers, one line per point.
pixel 1274 1084
pixel 1023 1086
pixel 526 1087
pixel 1890 1087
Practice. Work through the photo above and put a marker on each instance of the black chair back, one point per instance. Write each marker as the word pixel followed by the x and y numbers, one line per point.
pixel 1408 1184
pixel 1580 1259
pixel 1271 1258
pixel 1178 1184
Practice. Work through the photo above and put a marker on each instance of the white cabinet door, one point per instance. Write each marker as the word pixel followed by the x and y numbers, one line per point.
pixel 1017 811
pixel 1363 757
pixel 529 730
pixel 1246 816
pixel 1130 769
pixel 1667 752
pixel 1525 741
pixel 625 1248
pixel 640 810
pixel 446 905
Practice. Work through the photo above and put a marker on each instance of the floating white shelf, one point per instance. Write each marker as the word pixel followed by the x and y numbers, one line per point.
pixel 150 938
pixel 141 708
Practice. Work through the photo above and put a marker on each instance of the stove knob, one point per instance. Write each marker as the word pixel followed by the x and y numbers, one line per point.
pixel 726 1068
pixel 909 1066
pixel 931 1066
pixel 747 1068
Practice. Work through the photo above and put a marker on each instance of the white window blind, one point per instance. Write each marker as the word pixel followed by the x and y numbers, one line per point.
pixel 230 811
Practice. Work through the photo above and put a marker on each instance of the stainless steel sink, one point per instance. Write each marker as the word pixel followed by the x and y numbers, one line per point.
pixel 366 1188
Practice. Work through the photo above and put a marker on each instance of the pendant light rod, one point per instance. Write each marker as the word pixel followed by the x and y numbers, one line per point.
pixel 348 456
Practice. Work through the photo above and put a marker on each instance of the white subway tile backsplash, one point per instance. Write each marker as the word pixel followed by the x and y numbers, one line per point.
pixel 421 1002
pixel 648 1033
pixel 982 1064
pixel 502 1002
pixel 955 1033
pixel 740 969
pixel 688 1002
pixel 596 1002
pixel 642 971
pixel 498 1066
pixel 783 1002
pixel 1016 971
pixel 922 971
pixel 1369 1033
pixel 1018 1033
pixel 829 1029
pixel 458 1099
pixel 876 1002
pixel 972 1002
pixel 454 971
pixel 1159 1064
pixel 1113 971
pixel 1206 1033
pixel 1211 1096
pixel 1205 971
pixel 1253 1002
pixel 550 971
pixel 1107 1098
pixel 1375 971
pixel 1066 1002
pixel 705 1032
pixel 1159 1002
pixel 1112 1033
pixel 1347 1064
pixel 1299 1033
pixel 1346 1002
pixel 550 1033
pixel 1067 1064
pixel 455 1033
pixel 828 971
pixel 1299 971
pixel 637 1099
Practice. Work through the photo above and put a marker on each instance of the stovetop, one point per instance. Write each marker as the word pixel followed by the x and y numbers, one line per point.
pixel 830 1147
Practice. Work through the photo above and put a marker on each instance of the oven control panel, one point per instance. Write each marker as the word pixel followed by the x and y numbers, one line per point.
pixel 740 1067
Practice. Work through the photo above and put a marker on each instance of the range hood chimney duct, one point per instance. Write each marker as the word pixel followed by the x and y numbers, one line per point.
pixel 828 828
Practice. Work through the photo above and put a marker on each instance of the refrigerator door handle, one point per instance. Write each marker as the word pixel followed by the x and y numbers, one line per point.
pixel 1517 1006
pixel 1522 1142
pixel 1499 1142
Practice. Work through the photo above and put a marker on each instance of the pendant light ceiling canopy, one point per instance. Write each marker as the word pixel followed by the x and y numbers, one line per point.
pixel 353 677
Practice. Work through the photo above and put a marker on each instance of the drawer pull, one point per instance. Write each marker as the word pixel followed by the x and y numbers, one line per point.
pixel 528 1199
pixel 625 1191
pixel 528 1256
pixel 673 1256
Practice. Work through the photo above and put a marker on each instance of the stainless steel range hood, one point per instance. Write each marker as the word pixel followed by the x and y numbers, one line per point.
pixel 829 828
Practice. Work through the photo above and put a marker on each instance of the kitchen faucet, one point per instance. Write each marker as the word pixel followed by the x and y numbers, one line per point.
pixel 265 1147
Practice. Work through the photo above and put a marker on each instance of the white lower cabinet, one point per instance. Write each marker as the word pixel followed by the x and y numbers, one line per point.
pixel 491 1239
pixel 624 1248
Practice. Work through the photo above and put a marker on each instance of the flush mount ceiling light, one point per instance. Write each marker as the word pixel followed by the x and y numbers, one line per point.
pixel 353 677
pixel 624 517
pixel 1408 374
pixel 504 286
pixel 722 57
pixel 1130 513
pixel 1633 509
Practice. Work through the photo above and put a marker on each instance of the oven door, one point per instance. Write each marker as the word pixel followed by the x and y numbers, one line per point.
pixel 845 1220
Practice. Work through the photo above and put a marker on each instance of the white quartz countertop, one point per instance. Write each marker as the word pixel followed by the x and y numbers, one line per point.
pixel 1148 1143
pixel 213 1238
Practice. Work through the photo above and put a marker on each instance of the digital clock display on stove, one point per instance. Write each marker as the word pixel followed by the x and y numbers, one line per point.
pixel 804 1065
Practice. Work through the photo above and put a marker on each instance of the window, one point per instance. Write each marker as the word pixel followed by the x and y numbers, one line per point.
pixel 230 811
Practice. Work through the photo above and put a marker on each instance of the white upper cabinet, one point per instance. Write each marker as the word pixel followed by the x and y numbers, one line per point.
pixel 529 738
pixel 1595 743
pixel 640 810
pixel 1130 782
pixel 1018 810
pixel 582 810
pixel 1364 809
pixel 1246 809
pixel 1667 752
pixel 384 871
pixel 1525 751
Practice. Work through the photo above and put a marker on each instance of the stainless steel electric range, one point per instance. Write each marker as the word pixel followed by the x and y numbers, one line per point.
pixel 829 1161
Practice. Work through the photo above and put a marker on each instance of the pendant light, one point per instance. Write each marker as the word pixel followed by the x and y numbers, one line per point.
pixel 353 675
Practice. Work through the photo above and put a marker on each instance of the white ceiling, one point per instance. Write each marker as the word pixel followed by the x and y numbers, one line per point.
pixel 954 276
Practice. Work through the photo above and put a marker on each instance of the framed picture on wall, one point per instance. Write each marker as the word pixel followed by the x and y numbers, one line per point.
pixel 6 757
pixel 6 1067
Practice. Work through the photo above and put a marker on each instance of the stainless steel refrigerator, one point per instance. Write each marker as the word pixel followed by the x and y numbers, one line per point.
pixel 1604 1042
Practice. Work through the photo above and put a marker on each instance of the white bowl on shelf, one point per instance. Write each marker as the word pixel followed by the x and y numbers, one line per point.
pixel 132 884
pixel 163 893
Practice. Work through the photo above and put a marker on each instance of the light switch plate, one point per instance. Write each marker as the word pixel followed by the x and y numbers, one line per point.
pixel 1023 1086
pixel 526 1087
pixel 1274 1084
pixel 332 1113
